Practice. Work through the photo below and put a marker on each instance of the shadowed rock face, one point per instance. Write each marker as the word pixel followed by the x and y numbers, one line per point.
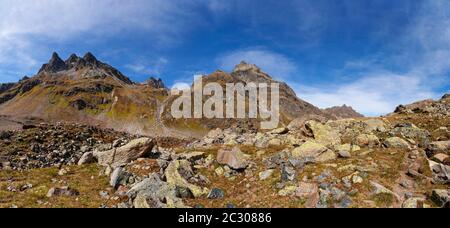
pixel 156 83
pixel 55 64
pixel 88 63
pixel 6 86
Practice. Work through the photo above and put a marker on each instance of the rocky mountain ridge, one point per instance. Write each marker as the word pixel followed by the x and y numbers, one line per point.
pixel 86 90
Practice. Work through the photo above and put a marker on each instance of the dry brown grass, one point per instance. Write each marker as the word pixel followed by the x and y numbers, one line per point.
pixel 85 179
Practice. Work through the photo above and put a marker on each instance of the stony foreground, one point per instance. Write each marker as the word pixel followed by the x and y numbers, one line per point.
pixel 401 160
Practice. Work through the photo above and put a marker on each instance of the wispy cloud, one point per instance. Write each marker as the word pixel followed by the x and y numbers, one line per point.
pixel 372 95
pixel 149 67
pixel 273 63
pixel 418 68
pixel 29 28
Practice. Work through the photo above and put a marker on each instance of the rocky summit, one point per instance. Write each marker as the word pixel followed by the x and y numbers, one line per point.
pixel 81 134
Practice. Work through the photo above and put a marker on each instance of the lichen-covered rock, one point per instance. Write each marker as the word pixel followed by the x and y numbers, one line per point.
pixel 348 147
pixel 375 125
pixel 438 147
pixel 121 156
pixel 314 150
pixel 411 131
pixel 174 178
pixel 154 193
pixel 367 140
pixel 324 134
pixel 397 143
pixel 414 202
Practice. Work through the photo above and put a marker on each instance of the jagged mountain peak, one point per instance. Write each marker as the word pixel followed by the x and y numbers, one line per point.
pixel 244 66
pixel 87 66
pixel 55 64
pixel 90 58
pixel 156 83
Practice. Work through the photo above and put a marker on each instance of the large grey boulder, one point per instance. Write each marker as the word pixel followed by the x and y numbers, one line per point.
pixel 154 193
pixel 121 156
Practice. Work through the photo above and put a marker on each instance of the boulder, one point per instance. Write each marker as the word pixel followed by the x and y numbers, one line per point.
pixel 315 150
pixel 234 158
pixel 308 192
pixel 299 123
pixel 348 147
pixel 441 197
pixel 326 156
pixel 440 157
pixel 154 193
pixel 410 131
pixel 367 140
pixel 266 174
pixel 344 154
pixel 118 176
pixel 374 125
pixel 380 189
pixel 438 147
pixel 63 191
pixel 174 178
pixel 214 136
pixel 288 191
pixel 121 156
pixel 396 142
pixel 414 202
pixel 87 158
pixel 441 172
pixel 279 131
pixel 288 173
pixel 216 193
pixel 324 134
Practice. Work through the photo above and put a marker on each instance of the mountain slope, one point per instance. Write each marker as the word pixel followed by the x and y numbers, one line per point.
pixel 291 107
pixel 86 90
pixel 343 112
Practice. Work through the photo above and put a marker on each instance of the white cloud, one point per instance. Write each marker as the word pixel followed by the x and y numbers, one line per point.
pixel 372 95
pixel 276 65
pixel 149 67
pixel 29 28
pixel 61 19
pixel 423 52
pixel 180 86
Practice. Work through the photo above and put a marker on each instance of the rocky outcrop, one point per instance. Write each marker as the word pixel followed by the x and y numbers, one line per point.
pixel 89 64
pixel 156 83
pixel 5 87
pixel 435 107
pixel 54 65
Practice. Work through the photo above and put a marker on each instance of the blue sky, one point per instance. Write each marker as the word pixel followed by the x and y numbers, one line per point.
pixel 370 54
